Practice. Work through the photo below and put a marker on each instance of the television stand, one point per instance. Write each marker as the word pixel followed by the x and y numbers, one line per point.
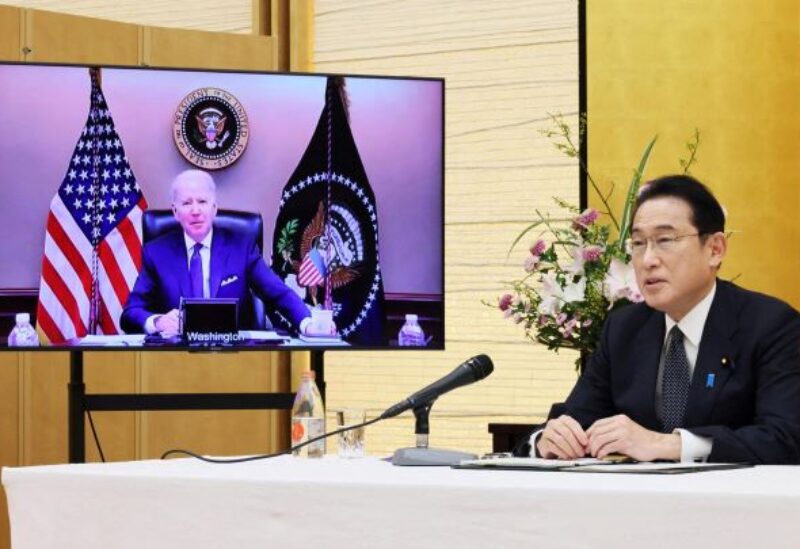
pixel 79 402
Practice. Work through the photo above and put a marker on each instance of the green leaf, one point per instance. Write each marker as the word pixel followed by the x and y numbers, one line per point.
pixel 521 235
pixel 633 191
pixel 285 238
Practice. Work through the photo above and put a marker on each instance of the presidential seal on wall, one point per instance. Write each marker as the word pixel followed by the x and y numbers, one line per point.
pixel 210 128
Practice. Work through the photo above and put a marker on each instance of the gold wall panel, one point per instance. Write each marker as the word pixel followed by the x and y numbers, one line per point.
pixel 9 407
pixel 163 47
pixel 213 432
pixel 301 30
pixel 111 372
pixel 10 33
pixel 10 429
pixel 730 69
pixel 44 407
pixel 58 38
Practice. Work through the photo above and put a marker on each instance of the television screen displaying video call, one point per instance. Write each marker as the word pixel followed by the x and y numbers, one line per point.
pixel 162 209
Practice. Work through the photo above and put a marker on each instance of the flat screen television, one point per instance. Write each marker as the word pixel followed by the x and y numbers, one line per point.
pixel 328 192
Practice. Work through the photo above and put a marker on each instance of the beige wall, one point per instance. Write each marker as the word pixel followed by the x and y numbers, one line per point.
pixel 507 64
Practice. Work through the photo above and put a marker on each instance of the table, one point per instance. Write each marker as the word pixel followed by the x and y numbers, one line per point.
pixel 292 502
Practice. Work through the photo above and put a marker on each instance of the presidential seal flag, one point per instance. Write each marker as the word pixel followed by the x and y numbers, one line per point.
pixel 93 241
pixel 326 234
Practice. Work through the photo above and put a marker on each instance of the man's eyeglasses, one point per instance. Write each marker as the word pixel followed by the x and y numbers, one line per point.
pixel 661 244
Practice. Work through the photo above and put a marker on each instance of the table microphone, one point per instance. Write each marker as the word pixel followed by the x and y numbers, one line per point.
pixel 474 369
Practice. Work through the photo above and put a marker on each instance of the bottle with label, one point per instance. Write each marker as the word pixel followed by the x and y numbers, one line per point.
pixel 23 334
pixel 411 334
pixel 308 418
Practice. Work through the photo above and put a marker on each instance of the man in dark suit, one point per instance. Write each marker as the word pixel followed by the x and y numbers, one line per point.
pixel 703 369
pixel 201 261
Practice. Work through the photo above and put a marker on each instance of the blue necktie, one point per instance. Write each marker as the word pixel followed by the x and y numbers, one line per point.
pixel 675 382
pixel 196 271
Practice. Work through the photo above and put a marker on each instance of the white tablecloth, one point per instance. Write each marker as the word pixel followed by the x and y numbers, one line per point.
pixel 289 502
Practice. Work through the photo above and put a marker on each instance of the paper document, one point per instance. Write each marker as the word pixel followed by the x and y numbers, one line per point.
pixel 263 335
pixel 531 463
pixel 327 340
pixel 122 340
pixel 660 468
pixel 592 465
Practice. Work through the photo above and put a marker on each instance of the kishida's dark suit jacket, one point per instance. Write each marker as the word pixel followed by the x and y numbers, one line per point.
pixel 745 390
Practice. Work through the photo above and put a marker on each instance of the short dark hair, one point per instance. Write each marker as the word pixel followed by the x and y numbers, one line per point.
pixel 707 214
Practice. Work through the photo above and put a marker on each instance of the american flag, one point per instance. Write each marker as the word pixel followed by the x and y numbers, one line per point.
pixel 93 244
pixel 312 269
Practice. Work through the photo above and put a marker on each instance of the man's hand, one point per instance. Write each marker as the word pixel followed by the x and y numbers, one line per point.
pixel 168 324
pixel 562 438
pixel 620 434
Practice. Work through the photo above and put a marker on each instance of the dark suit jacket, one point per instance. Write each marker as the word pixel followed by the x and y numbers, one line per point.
pixel 235 260
pixel 750 344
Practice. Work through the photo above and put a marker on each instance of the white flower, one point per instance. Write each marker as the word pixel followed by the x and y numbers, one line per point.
pixel 576 268
pixel 553 294
pixel 620 282
pixel 550 294
pixel 575 292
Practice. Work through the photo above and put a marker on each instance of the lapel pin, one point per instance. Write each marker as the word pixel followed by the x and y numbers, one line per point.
pixel 728 363
pixel 710 380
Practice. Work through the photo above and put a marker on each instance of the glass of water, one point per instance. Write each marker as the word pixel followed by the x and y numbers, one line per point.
pixel 351 443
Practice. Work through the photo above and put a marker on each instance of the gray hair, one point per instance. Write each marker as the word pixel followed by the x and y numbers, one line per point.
pixel 193 175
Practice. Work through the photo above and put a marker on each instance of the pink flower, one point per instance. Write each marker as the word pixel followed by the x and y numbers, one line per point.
pixel 561 318
pixel 587 322
pixel 530 263
pixel 592 253
pixel 505 302
pixel 569 327
pixel 542 320
pixel 586 219
pixel 538 248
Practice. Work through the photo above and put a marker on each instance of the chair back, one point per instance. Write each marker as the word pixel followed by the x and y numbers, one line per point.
pixel 158 222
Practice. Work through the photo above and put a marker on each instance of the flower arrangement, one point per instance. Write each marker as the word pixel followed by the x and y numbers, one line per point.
pixel 578 270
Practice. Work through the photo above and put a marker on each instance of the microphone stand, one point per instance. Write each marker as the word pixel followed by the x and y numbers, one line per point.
pixel 421 454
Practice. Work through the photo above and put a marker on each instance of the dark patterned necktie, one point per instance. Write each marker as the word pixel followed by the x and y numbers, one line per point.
pixel 196 271
pixel 675 382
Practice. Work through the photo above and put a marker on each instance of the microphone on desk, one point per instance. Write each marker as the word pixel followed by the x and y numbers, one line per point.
pixel 474 369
